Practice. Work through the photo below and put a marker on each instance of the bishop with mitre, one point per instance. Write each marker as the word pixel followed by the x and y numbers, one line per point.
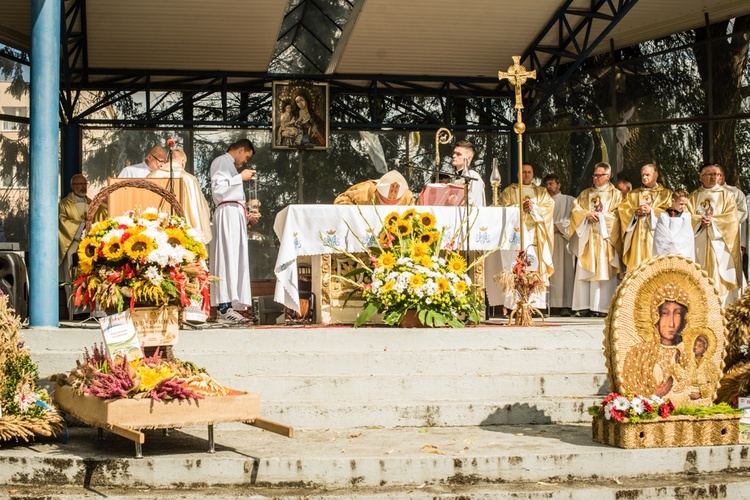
pixel 391 189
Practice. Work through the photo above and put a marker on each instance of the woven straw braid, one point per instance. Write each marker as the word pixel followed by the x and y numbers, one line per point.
pixel 136 183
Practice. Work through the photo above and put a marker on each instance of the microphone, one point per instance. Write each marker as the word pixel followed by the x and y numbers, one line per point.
pixel 171 143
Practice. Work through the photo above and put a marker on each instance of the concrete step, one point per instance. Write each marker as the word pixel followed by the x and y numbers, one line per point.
pixel 519 455
pixel 427 387
pixel 442 413
pixel 338 377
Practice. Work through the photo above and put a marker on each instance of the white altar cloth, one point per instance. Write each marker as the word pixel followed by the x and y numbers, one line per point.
pixel 314 229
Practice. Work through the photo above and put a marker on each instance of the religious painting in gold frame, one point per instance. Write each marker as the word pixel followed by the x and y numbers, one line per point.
pixel 300 115
pixel 665 333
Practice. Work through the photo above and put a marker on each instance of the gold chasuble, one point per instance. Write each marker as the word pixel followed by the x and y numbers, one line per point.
pixel 596 245
pixel 366 193
pixel 72 213
pixel 539 223
pixel 717 247
pixel 638 230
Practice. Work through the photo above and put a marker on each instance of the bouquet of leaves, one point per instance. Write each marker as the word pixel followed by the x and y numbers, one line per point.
pixel 141 259
pixel 156 378
pixel 407 271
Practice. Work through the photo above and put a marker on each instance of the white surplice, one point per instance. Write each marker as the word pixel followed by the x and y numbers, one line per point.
pixel 137 171
pixel 674 236
pixel 476 187
pixel 561 282
pixel 197 212
pixel 229 248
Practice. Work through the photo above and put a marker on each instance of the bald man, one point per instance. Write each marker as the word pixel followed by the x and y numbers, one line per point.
pixel 155 158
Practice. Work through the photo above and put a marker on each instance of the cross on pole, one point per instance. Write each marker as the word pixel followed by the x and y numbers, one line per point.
pixel 517 76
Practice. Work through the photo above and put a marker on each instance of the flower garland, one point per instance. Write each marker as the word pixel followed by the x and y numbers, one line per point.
pixel 146 259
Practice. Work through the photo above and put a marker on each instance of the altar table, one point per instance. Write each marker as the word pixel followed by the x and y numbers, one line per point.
pixel 323 230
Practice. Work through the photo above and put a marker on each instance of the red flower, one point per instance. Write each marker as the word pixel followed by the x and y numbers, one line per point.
pixel 618 415
pixel 664 410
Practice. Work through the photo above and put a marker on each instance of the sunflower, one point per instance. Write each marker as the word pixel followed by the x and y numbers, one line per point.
pixel 151 377
pixel 150 214
pixel 461 287
pixel 442 284
pixel 403 227
pixel 388 286
pixel 139 246
pixel 85 267
pixel 175 236
pixel 424 260
pixel 427 238
pixel 88 251
pixel 419 249
pixel 427 220
pixel 416 280
pixel 409 214
pixel 113 249
pixel 390 220
pixel 457 264
pixel 385 238
pixel 387 260
pixel 101 226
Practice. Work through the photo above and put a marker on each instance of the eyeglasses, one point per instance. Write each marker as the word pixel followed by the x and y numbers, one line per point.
pixel 710 175
pixel 160 162
pixel 600 175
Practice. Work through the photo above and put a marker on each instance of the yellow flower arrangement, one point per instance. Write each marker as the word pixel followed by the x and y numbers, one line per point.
pixel 407 270
pixel 141 259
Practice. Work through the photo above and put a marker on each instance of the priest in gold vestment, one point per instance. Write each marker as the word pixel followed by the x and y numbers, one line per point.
pixel 538 231
pixel 638 215
pixel 594 239
pixel 72 213
pixel 391 189
pixel 717 234
pixel 197 212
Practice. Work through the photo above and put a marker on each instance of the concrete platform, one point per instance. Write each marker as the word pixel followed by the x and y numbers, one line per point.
pixel 380 413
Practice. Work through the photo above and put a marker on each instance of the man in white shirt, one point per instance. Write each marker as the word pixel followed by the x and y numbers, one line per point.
pixel 229 249
pixel 154 159
pixel 561 282
pixel 463 153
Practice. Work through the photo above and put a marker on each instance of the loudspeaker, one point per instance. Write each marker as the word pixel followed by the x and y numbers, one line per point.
pixel 14 282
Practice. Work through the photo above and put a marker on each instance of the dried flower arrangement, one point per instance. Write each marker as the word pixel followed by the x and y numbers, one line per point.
pixel 524 283
pixel 153 377
pixel 25 410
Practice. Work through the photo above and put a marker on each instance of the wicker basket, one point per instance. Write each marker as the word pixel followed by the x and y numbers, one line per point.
pixel 669 432
pixel 134 183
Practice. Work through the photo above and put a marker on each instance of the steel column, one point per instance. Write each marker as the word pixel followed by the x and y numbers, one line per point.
pixel 44 169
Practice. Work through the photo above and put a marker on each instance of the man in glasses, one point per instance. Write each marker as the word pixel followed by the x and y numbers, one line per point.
pixel 638 215
pixel 154 159
pixel 717 235
pixel 594 240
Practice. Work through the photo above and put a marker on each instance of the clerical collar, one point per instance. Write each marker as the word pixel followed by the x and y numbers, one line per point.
pixel 717 187
pixel 80 199
pixel 650 188
pixel 601 188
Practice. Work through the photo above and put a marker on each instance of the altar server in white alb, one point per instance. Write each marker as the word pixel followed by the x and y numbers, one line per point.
pixel 155 158
pixel 228 249
pixel 463 153
pixel 561 282
pixel 674 229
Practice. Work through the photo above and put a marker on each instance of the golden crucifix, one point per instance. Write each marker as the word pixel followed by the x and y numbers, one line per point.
pixel 517 76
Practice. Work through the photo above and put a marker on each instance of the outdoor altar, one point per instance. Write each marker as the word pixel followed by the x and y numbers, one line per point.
pixel 315 230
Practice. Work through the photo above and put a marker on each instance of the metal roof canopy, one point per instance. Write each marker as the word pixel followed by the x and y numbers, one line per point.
pixel 371 47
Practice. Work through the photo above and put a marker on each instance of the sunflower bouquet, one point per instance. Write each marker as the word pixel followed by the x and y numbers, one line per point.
pixel 141 259
pixel 408 271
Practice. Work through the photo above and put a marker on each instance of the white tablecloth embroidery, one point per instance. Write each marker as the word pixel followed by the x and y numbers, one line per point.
pixel 314 229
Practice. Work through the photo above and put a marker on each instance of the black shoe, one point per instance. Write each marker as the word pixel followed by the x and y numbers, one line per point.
pixel 565 312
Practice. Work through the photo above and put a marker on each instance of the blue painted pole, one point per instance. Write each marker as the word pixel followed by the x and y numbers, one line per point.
pixel 44 169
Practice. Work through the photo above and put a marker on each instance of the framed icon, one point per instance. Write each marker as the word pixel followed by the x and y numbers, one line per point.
pixel 300 115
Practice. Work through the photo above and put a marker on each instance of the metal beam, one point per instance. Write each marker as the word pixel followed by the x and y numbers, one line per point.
pixel 573 45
